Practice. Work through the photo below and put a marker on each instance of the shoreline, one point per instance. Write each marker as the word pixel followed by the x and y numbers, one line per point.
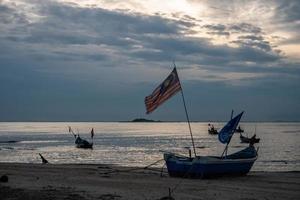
pixel 101 181
pixel 117 166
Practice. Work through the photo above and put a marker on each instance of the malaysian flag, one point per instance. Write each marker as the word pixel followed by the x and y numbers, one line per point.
pixel 169 87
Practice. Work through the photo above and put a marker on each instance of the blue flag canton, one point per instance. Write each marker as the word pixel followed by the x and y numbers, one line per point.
pixel 169 87
pixel 172 79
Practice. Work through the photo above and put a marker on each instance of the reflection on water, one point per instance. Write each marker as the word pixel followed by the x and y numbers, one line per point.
pixel 139 144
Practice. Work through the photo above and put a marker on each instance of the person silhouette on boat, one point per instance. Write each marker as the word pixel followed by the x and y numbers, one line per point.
pixel 212 127
pixel 252 140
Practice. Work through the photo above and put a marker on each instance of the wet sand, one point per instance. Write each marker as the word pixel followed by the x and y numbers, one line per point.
pixel 107 182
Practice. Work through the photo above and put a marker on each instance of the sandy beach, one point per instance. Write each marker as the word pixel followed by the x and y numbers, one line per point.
pixel 37 181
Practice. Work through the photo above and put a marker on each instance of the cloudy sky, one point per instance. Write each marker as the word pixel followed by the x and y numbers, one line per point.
pixel 96 60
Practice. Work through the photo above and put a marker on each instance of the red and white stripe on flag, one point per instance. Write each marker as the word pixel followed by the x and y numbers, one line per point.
pixel 169 87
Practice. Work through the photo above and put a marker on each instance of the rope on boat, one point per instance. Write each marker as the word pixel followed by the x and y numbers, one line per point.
pixel 133 169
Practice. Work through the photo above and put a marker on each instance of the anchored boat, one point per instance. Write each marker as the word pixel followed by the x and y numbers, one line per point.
pixel 253 139
pixel 82 143
pixel 211 130
pixel 238 163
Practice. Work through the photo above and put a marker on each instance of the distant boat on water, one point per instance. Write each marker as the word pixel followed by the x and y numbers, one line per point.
pixel 253 139
pixel 8 141
pixel 143 120
pixel 82 143
pixel 238 163
pixel 212 130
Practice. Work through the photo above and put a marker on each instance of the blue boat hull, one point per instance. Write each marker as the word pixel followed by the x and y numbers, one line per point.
pixel 208 166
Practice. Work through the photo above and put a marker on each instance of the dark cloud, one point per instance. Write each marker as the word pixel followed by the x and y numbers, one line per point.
pixel 260 44
pixel 252 44
pixel 220 33
pixel 184 20
pixel 106 21
pixel 245 28
pixel 144 37
pixel 215 27
pixel 288 11
pixel 251 37
pixel 190 18
pixel 74 25
pixel 227 29
pixel 203 50
pixel 72 60
pixel 9 15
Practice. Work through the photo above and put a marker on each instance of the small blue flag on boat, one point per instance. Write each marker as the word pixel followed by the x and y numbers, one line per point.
pixel 227 131
pixel 169 87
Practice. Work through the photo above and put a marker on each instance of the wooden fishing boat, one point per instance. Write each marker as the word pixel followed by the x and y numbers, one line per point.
pixel 239 163
pixel 81 143
pixel 248 140
pixel 212 131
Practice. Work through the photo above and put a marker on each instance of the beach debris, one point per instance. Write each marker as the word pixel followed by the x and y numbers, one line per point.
pixel 4 179
pixel 44 161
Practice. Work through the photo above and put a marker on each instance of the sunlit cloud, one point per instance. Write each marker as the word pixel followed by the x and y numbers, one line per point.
pixel 264 15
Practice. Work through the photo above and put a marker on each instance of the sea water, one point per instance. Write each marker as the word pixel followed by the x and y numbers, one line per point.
pixel 140 144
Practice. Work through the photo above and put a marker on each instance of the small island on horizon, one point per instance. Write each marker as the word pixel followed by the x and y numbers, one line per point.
pixel 144 120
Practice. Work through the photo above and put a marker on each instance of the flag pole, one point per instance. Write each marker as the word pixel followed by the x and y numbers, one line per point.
pixel 187 116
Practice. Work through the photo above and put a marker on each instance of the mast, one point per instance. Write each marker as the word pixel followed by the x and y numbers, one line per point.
pixel 226 148
pixel 187 116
